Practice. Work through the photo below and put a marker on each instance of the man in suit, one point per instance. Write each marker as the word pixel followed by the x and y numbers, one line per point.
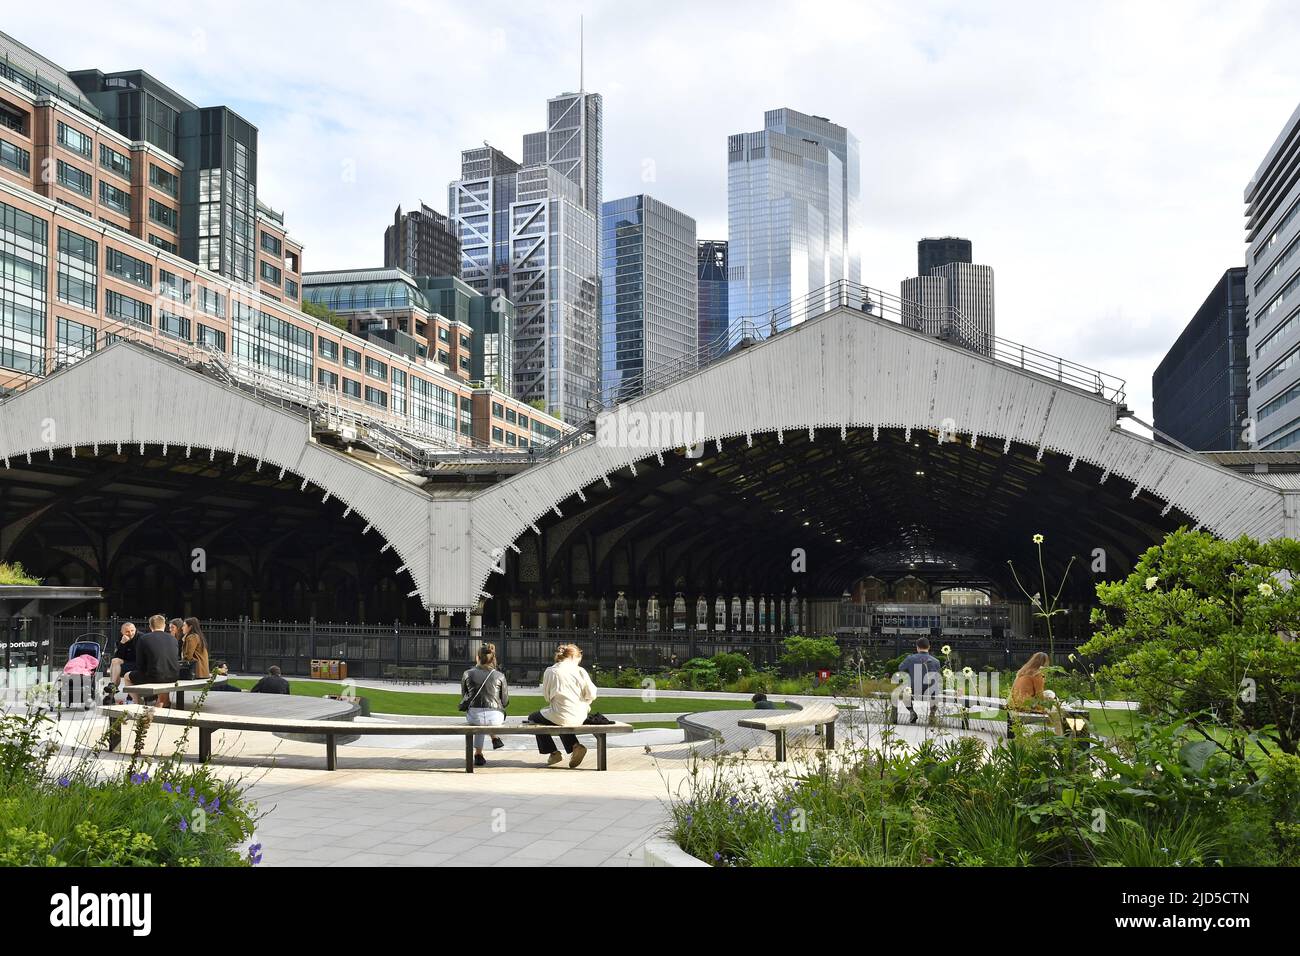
pixel 156 660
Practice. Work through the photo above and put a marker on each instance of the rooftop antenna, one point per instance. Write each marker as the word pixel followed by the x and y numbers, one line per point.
pixel 581 56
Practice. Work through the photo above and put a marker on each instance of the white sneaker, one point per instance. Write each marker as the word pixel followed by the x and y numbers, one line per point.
pixel 579 751
pixel 554 758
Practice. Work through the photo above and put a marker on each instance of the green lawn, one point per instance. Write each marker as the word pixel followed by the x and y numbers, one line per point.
pixel 444 705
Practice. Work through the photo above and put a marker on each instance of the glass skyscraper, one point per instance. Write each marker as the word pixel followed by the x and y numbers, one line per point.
pixel 792 216
pixel 648 274
pixel 711 262
pixel 526 231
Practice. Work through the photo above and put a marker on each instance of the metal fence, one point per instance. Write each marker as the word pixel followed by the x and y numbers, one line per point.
pixel 431 653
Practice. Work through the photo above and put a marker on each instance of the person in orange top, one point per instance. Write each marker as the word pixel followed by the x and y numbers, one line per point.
pixel 1030 688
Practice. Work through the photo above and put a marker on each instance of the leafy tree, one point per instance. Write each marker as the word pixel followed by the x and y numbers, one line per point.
pixel 325 314
pixel 1203 626
pixel 732 666
pixel 803 654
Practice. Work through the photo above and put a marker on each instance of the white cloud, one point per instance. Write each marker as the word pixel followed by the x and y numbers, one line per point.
pixel 1096 154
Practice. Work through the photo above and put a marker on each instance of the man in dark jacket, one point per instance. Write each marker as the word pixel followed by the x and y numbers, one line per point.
pixel 761 702
pixel 156 660
pixel 272 683
pixel 922 670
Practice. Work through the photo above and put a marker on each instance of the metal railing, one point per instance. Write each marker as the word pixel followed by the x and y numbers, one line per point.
pixel 375 650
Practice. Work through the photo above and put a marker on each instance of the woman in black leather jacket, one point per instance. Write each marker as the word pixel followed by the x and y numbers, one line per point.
pixel 484 696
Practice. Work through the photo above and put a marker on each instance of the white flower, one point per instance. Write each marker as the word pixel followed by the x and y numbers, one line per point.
pixel 1265 588
pixel 947 673
pixel 945 649
pixel 1038 539
pixel 967 671
pixel 1071 658
pixel 1151 582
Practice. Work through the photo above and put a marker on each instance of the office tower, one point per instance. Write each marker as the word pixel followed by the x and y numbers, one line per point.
pixel 422 242
pixel 1200 388
pixel 953 298
pixel 491 320
pixel 792 215
pixel 711 275
pixel 571 144
pixel 532 231
pixel 1273 292
pixel 648 278
pixel 932 253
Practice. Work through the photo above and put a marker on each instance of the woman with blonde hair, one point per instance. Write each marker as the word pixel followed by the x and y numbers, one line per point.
pixel 484 696
pixel 1029 689
pixel 569 691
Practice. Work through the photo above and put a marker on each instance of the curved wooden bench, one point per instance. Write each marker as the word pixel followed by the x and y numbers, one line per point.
pixel 818 715
pixel 206 723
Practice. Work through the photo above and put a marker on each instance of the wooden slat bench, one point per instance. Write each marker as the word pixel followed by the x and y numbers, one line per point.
pixel 962 705
pixel 176 687
pixel 206 723
pixel 817 715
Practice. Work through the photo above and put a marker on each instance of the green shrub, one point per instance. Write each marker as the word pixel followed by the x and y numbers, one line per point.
pixel 803 654
pixel 13 573
pixel 732 666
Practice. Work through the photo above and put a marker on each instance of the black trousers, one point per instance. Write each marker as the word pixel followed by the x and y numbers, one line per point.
pixel 545 742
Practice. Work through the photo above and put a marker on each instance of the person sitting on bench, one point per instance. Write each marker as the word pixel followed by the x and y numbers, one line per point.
pixel 156 660
pixel 569 691
pixel 272 683
pixel 761 702
pixel 223 670
pixel 1029 691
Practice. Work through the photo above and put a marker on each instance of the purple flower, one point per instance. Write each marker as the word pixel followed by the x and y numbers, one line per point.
pixel 200 799
pixel 717 856
pixel 779 828
pixel 64 782
pixel 185 825
pixel 138 778
pixel 215 806
pixel 168 788
pixel 191 791
pixel 255 854
pixel 733 801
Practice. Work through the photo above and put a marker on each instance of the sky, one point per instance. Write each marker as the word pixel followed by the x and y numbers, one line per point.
pixel 1096 154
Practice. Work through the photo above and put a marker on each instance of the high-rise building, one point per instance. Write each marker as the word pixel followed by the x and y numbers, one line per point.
pixel 422 242
pixel 952 297
pixel 1273 292
pixel 1200 389
pixel 648 278
pixel 491 319
pixel 932 253
pixel 792 216
pixel 572 144
pixel 711 311
pixel 532 231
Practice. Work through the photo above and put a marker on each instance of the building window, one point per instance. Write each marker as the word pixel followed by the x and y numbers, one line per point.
pixel 291 288
pixel 498 410
pixel 163 244
pixel 214 339
pixel 270 273
pixel 351 388
pixel 15 157
pixel 78 270
pixel 119 264
pixel 497 434
pixel 74 207
pixel 173 326
pixel 329 350
pixel 351 358
pixel 162 180
pixel 270 342
pixel 376 397
pixel 174 287
pixel 327 378
pixel 271 244
pixel 113 225
pixel 511 439
pixel 523 421
pixel 511 417
pixel 212 302
pixel 162 214
pixel 75 341
pixel 78 180
pixel 114 161
pixel 24 259
pixel 127 309
pixel 443 357
pixel 376 369
pixel 114 198
pixel 443 336
pixel 464 342
pixel 14 119
pixel 465 428
pixel 74 140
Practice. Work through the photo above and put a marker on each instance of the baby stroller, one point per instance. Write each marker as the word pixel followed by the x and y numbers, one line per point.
pixel 80 690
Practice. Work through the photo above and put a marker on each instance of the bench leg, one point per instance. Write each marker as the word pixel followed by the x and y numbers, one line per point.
pixel 180 699
pixel 205 744
pixel 830 736
pixel 331 753
pixel 780 746
pixel 469 753
pixel 602 751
